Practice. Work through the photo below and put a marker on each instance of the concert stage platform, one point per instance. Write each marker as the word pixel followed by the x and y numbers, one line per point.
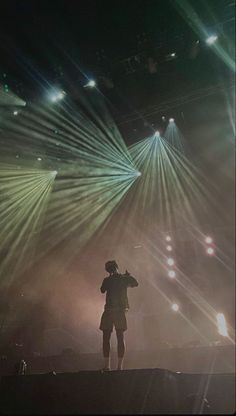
pixel 142 391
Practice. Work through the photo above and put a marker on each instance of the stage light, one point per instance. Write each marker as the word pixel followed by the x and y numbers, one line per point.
pixel 57 96
pixel 91 84
pixel 163 118
pixel 138 173
pixel 175 307
pixel 60 95
pixel 54 172
pixel 171 274
pixel 39 159
pixel 211 39
pixel 168 238
pixel 157 134
pixel 171 120
pixel 168 248
pixel 170 261
pixel 221 323
pixel 208 240
pixel 15 113
pixel 170 56
pixel 210 251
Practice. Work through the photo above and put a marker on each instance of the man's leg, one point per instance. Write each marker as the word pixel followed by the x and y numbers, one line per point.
pixel 106 348
pixel 120 348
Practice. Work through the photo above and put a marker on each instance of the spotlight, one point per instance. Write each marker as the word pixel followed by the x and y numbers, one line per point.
pixel 168 238
pixel 175 307
pixel 39 158
pixel 15 113
pixel 157 134
pixel 221 323
pixel 60 95
pixel 138 173
pixel 171 56
pixel 163 118
pixel 211 39
pixel 171 274
pixel 57 96
pixel 171 120
pixel 210 251
pixel 168 248
pixel 208 240
pixel 170 261
pixel 91 84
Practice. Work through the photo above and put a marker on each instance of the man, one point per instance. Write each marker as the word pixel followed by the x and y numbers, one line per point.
pixel 115 286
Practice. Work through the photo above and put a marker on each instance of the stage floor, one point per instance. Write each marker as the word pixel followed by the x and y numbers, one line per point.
pixel 140 391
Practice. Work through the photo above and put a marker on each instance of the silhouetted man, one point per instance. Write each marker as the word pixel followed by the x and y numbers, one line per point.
pixel 115 286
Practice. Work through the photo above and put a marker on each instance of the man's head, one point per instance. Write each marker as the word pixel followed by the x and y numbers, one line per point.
pixel 111 266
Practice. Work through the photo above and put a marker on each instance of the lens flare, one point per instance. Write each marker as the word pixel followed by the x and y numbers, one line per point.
pixel 221 323
pixel 170 261
pixel 210 251
pixel 171 274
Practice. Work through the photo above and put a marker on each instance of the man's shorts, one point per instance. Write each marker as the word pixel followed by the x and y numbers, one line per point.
pixel 113 317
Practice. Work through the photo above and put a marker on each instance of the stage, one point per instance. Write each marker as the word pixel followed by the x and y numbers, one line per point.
pixel 142 391
pixel 202 359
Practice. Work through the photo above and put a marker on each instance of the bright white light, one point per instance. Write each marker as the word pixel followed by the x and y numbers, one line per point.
pixel 60 95
pixel 171 274
pixel 171 120
pixel 173 54
pixel 39 158
pixel 210 251
pixel 91 83
pixel 208 240
pixel 168 248
pixel 211 39
pixel 57 96
pixel 53 174
pixel 138 173
pixel 157 133
pixel 221 323
pixel 15 113
pixel 163 118
pixel 170 261
pixel 168 238
pixel 175 307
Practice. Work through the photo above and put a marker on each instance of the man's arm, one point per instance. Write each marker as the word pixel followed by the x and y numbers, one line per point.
pixel 104 286
pixel 132 282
